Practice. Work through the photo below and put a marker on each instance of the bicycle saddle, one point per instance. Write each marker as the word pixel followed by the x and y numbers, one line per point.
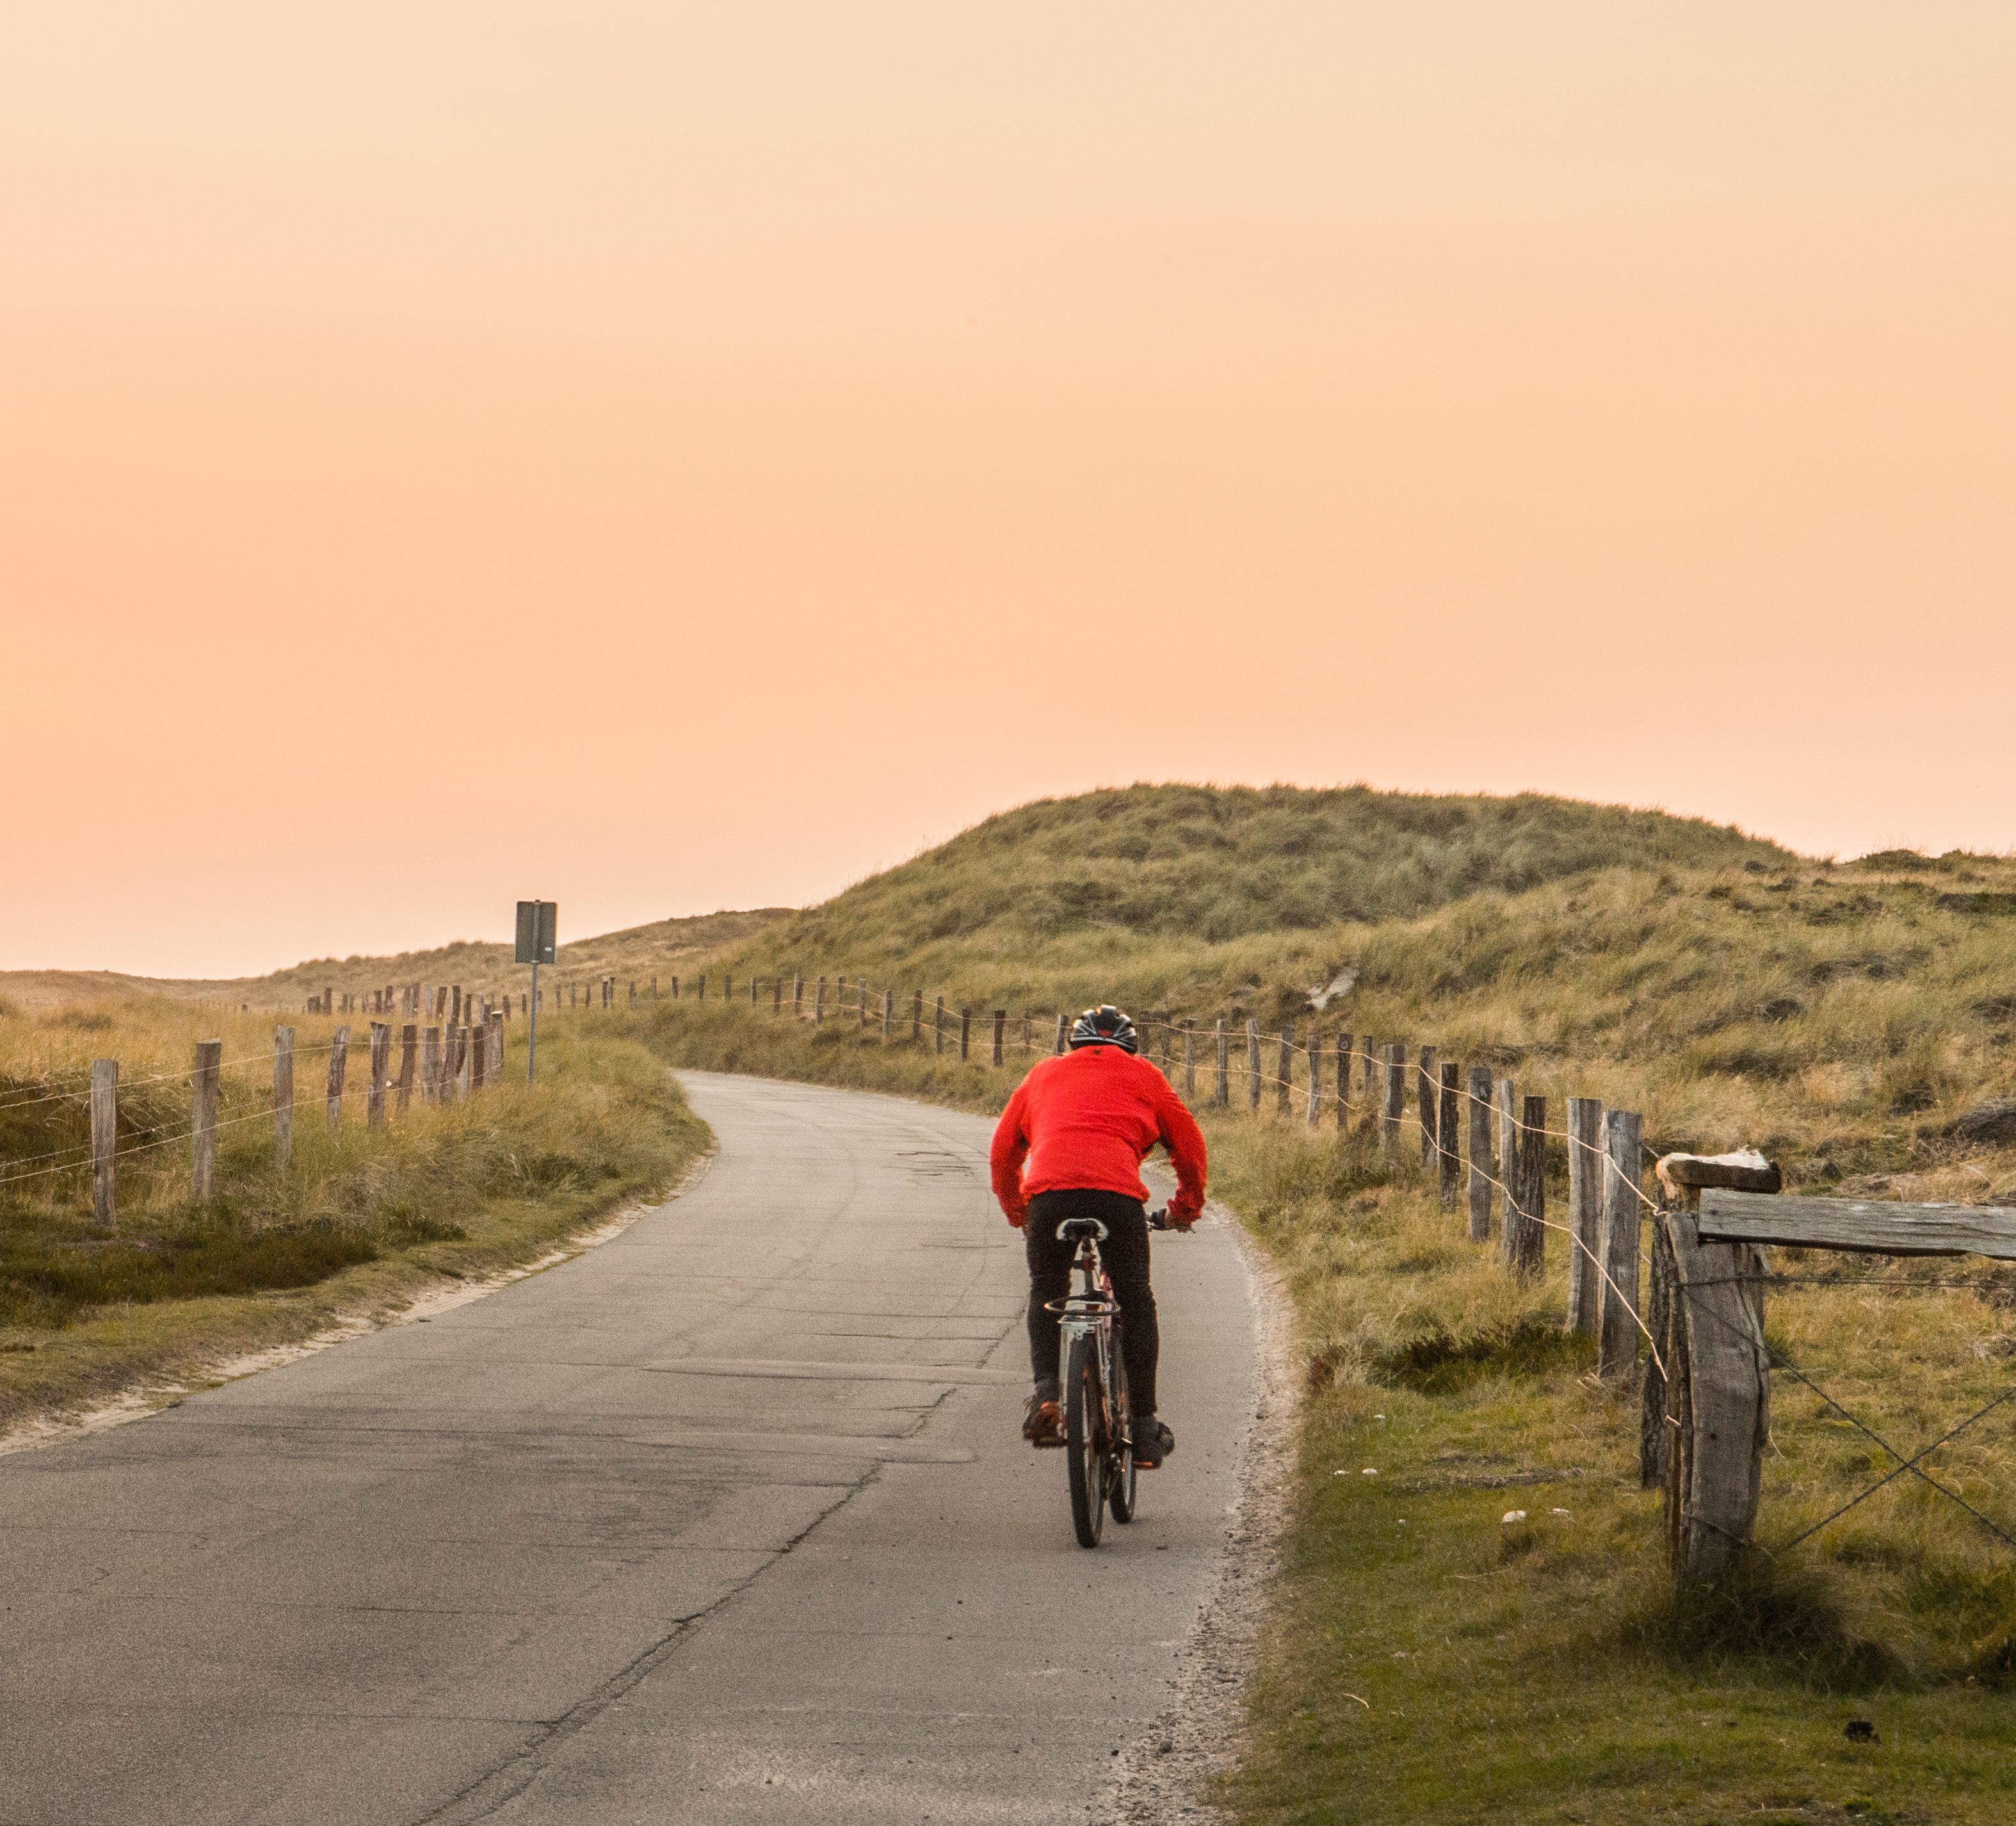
pixel 1075 1230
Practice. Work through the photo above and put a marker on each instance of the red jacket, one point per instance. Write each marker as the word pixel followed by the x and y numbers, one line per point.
pixel 1083 1122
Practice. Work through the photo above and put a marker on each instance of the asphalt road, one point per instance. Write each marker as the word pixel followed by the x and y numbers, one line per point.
pixel 726 1521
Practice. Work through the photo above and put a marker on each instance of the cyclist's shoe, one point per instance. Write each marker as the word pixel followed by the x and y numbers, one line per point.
pixel 1042 1420
pixel 1152 1442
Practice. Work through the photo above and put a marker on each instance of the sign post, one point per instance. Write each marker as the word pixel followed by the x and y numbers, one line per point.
pixel 538 921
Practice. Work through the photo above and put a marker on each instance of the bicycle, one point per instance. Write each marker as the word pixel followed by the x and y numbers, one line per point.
pixel 1099 1451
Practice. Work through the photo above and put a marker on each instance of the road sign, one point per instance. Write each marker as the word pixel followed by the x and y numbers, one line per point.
pixel 537 921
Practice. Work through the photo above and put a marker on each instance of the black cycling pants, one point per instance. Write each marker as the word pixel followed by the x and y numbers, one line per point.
pixel 1125 1254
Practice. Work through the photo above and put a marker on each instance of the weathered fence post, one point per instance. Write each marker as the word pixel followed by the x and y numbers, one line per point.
pixel 1285 1070
pixel 819 1002
pixel 889 1013
pixel 1426 1082
pixel 1585 1211
pixel 338 1066
pixel 496 1035
pixel 1528 1261
pixel 1509 1181
pixel 1059 1047
pixel 1448 1135
pixel 965 1034
pixel 475 1058
pixel 1480 1153
pixel 104 1136
pixel 1396 1095
pixel 409 1040
pixel 430 1065
pixel 1616 1304
pixel 1000 1032
pixel 1253 1065
pixel 938 1026
pixel 1344 1042
pixel 202 1127
pixel 283 1096
pixel 381 1059
pixel 465 1063
pixel 1315 1075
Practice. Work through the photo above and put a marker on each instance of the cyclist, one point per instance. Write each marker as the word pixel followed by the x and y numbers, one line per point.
pixel 1070 1144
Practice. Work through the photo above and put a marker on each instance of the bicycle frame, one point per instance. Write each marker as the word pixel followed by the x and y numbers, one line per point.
pixel 1087 1311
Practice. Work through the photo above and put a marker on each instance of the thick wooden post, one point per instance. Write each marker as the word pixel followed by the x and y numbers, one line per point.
pixel 889 1013
pixel 1285 1073
pixel 1479 1106
pixel 477 1059
pixel 496 1048
pixel 202 1127
pixel 1253 1065
pixel 1223 1097
pixel 839 997
pixel 1530 1261
pixel 1717 1395
pixel 1448 1115
pixel 1343 1046
pixel 339 1065
pixel 1425 1083
pixel 819 1002
pixel 1371 1079
pixel 1395 1110
pixel 1000 1032
pixel 965 1034
pixel 105 1136
pixel 381 1061
pixel 1059 1047
pixel 1189 1061
pixel 917 1015
pixel 409 1042
pixel 700 987
pixel 938 1026
pixel 430 1065
pixel 1623 1207
pixel 1509 1181
pixel 283 1096
pixel 465 1063
pixel 1585 1159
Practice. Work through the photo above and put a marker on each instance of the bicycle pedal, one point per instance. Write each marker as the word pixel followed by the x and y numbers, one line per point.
pixel 1054 1443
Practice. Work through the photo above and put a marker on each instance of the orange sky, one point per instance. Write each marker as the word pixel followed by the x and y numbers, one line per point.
pixel 660 457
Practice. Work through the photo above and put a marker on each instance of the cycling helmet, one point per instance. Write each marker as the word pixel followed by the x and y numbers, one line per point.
pixel 1104 1025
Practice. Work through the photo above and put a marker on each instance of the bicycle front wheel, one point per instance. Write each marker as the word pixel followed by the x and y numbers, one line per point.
pixel 1083 1429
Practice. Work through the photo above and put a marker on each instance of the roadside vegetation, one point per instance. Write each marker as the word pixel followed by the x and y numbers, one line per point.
pixel 358 1223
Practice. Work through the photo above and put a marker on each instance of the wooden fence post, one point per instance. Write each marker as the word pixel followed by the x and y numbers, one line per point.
pixel 283 1096
pixel 381 1060
pixel 1222 1095
pixel 430 1065
pixel 1509 1181
pixel 889 1013
pixel 1480 1153
pixel 339 1065
pixel 1616 1302
pixel 965 1034
pixel 409 1040
pixel 1530 1260
pixel 1252 1065
pixel 839 997
pixel 1448 1133
pixel 675 991
pixel 1426 1081
pixel 1189 1061
pixel 1059 1048
pixel 105 1136
pixel 700 987
pixel 1285 1060
pixel 819 1002
pixel 1371 1078
pixel 202 1129
pixel 1395 1110
pixel 1344 1042
pixel 938 1026
pixel 1000 1032
pixel 477 1057
pixel 496 1037
pixel 1585 1159
pixel 1717 1412
pixel 465 1063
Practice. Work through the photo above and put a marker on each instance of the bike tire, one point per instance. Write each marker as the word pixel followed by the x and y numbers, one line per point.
pixel 1120 1475
pixel 1083 1459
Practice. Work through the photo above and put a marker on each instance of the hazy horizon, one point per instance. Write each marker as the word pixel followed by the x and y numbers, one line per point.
pixel 669 459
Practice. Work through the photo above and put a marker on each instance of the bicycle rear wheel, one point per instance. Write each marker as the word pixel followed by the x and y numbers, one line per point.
pixel 1082 1428
pixel 1120 1466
